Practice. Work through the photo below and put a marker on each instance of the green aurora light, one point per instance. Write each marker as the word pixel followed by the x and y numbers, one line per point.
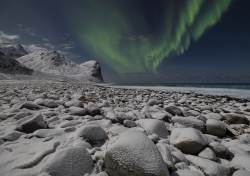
pixel 119 33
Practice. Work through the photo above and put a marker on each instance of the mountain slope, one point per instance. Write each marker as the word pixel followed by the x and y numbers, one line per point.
pixel 12 66
pixel 12 50
pixel 53 62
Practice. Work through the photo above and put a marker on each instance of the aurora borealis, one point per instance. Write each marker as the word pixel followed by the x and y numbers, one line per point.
pixel 138 40
pixel 120 33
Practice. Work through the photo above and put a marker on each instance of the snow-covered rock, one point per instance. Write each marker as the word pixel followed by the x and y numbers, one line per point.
pixel 208 167
pixel 33 123
pixel 12 50
pixel 240 162
pixel 188 140
pixel 220 150
pixel 207 153
pixel 53 62
pixel 189 122
pixel 154 126
pixel 129 156
pixel 93 134
pixel 241 173
pixel 69 161
pixel 215 127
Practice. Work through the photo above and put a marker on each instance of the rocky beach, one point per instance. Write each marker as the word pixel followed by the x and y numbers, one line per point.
pixel 73 129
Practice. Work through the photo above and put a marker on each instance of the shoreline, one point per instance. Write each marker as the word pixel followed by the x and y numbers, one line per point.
pixel 241 94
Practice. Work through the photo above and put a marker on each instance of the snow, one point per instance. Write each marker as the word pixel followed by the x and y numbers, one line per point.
pixel 134 153
pixel 14 51
pixel 52 62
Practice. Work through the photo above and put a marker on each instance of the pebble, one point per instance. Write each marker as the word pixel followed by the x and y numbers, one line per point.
pixel 47 126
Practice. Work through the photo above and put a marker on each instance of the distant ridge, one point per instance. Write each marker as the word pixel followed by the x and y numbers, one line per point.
pixel 12 66
pixel 52 62
pixel 13 50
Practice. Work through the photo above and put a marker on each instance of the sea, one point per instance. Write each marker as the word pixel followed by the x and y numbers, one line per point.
pixel 235 90
pixel 244 86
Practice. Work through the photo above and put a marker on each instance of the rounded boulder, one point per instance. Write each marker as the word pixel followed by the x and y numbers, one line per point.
pixel 93 134
pixel 188 140
pixel 133 153
pixel 216 128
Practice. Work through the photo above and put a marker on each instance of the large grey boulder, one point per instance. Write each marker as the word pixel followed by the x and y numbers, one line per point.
pixel 34 123
pixel 154 126
pixel 188 140
pixel 190 122
pixel 240 162
pixel 207 153
pixel 220 150
pixel 93 134
pixel 69 161
pixel 208 167
pixel 215 127
pixel 93 109
pixel 174 110
pixel 133 153
pixel 234 118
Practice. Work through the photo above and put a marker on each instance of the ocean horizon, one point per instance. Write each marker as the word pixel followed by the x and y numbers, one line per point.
pixel 243 86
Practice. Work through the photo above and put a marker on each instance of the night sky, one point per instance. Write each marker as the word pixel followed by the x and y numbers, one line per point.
pixel 188 41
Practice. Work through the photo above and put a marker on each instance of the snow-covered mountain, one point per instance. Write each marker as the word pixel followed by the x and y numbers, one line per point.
pixel 12 66
pixel 12 50
pixel 53 62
